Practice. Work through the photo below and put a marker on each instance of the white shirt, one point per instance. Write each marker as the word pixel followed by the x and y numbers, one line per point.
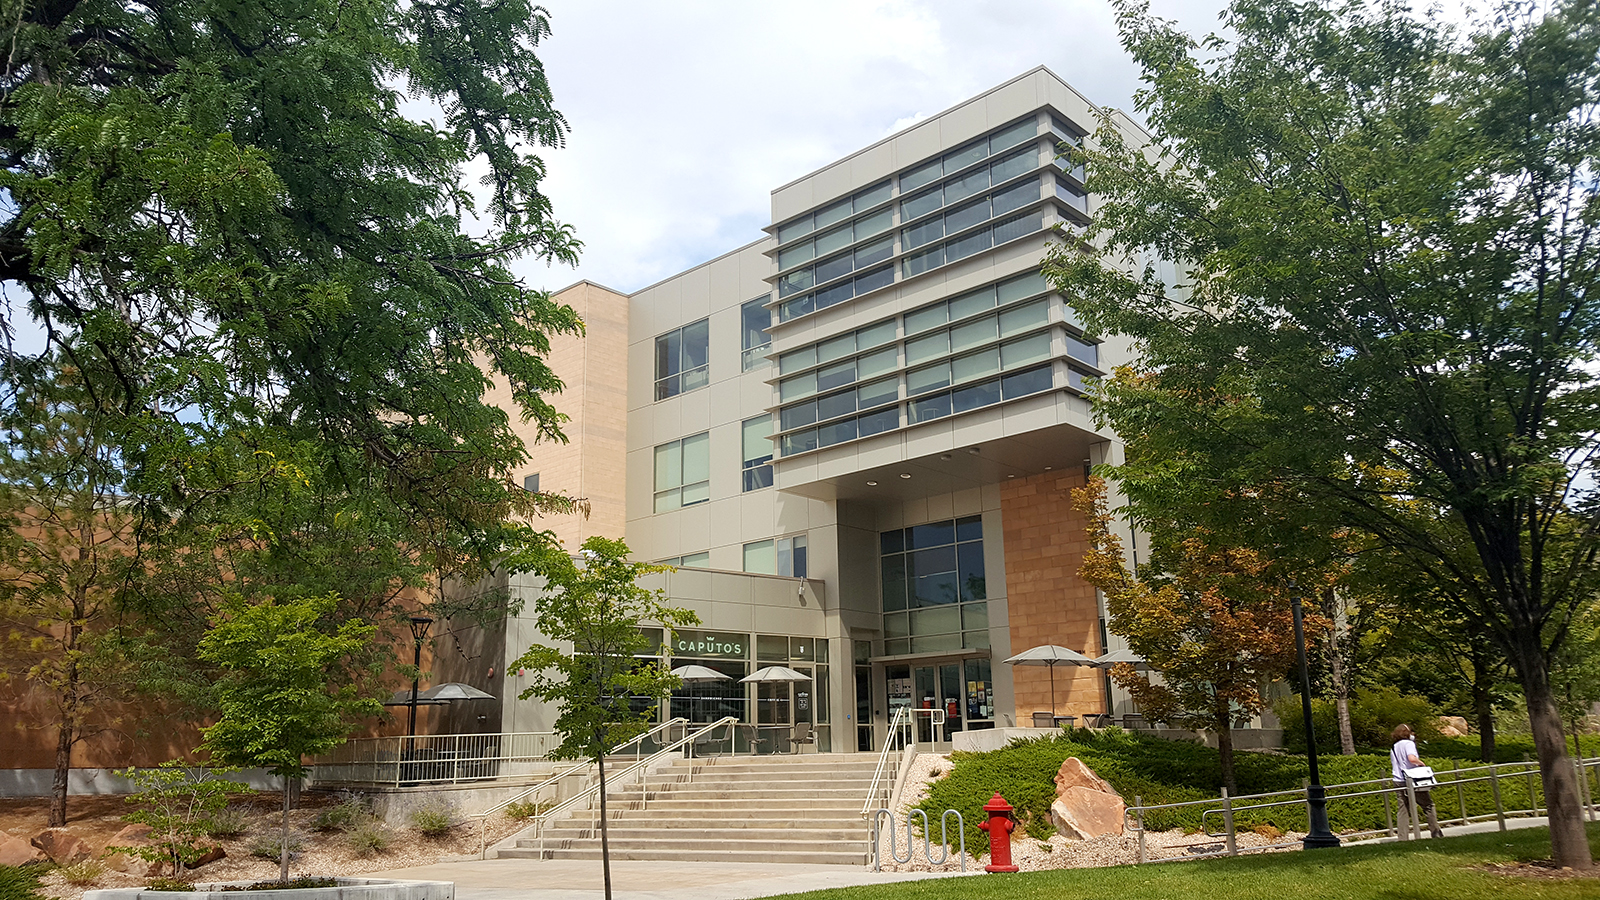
pixel 1400 759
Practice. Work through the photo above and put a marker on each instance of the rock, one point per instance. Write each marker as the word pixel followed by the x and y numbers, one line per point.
pixel 133 836
pixel 210 856
pixel 62 846
pixel 1081 813
pixel 1453 726
pixel 15 851
pixel 1074 773
pixel 1451 731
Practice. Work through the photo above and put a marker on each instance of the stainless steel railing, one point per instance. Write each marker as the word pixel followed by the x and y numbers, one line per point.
pixel 436 758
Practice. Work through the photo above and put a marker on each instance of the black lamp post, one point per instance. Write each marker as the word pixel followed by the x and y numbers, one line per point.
pixel 1316 798
pixel 419 633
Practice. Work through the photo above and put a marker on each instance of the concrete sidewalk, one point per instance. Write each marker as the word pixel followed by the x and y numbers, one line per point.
pixel 572 879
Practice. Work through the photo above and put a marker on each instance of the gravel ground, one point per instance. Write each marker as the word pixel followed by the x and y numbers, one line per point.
pixel 1031 855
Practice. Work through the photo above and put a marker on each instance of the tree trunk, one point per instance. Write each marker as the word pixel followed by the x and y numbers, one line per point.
pixel 605 838
pixel 1224 723
pixel 1569 843
pixel 1341 685
pixel 1483 711
pixel 67 734
pixel 58 785
pixel 283 845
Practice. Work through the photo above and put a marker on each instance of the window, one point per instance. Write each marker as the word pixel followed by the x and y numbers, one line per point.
pixel 757 439
pixel 754 339
pixel 530 483
pixel 683 472
pixel 933 587
pixel 1003 230
pixel 784 556
pixel 969 185
pixel 681 360
pixel 833 212
pixel 701 560
pixel 952 162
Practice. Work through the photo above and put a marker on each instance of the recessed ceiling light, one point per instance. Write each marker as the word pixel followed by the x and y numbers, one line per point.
pixel 872 484
pixel 1048 468
pixel 972 450
pixel 946 456
pixel 905 474
pixel 1011 476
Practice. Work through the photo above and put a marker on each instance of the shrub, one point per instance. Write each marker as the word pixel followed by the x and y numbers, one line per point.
pixel 368 837
pixel 177 801
pixel 523 809
pixel 227 823
pixel 348 813
pixel 434 817
pixel 169 884
pixel 270 846
pixel 83 873
pixel 1374 712
pixel 19 883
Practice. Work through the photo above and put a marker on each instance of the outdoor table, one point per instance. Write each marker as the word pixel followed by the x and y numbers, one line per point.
pixel 1065 720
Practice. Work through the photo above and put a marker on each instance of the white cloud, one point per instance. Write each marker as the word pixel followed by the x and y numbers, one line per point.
pixel 686 115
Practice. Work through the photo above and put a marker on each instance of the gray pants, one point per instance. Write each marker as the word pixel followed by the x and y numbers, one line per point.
pixel 1424 804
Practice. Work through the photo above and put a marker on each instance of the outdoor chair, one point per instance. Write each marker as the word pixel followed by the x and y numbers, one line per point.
pixel 802 735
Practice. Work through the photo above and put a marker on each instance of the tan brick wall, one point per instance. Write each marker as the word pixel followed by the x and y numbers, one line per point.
pixel 595 400
pixel 1047 602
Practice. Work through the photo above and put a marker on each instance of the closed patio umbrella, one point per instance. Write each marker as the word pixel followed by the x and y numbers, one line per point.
pixel 1050 655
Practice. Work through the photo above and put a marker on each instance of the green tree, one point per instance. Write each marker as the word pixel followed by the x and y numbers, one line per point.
pixel 275 702
pixel 179 803
pixel 591 612
pixel 1389 234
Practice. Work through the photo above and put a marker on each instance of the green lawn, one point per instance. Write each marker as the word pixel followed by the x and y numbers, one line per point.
pixel 1429 870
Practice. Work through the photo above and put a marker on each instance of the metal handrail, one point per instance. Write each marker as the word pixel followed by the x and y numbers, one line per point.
pixel 542 819
pixel 904 720
pixel 450 758
pixel 895 724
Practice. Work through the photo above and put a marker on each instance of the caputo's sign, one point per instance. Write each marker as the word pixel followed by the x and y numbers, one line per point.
pixel 712 644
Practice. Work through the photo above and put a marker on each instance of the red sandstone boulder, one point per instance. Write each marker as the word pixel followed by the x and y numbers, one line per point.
pixel 1453 726
pixel 15 851
pixel 1081 813
pixel 1074 773
pixel 138 837
pixel 210 856
pixel 62 846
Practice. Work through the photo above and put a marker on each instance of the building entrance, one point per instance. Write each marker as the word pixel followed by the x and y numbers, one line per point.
pixel 962 688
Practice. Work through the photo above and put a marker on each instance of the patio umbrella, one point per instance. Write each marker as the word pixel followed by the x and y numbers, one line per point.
pixel 455 690
pixel 1118 656
pixel 403 698
pixel 775 674
pixel 691 674
pixel 1049 655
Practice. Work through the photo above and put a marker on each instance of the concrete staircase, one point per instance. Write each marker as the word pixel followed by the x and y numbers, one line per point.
pixel 770 809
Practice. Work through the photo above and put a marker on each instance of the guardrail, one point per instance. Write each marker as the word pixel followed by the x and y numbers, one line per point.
pixel 902 736
pixel 436 758
pixel 1517 780
pixel 638 771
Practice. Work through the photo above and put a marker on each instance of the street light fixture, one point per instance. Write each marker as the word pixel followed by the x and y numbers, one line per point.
pixel 1320 834
pixel 419 633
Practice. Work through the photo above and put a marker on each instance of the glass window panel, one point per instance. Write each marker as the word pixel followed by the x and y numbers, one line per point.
pixel 976 640
pixel 822 652
pixel 832 213
pixel 917 263
pixel 696 378
pixel 935 643
pixel 761 557
pixel 917 235
pixel 1028 350
pixel 667 387
pixel 797 559
pixel 696 344
pixel 971 334
pixel 968 185
pixel 921 204
pixel 669 354
pixel 1011 228
pixel 926 348
pixel 897 646
pixel 927 317
pixel 932 378
pixel 799 306
pixel 966 156
pixel 755 319
pixel 1024 317
pixel 829 269
pixel 928 408
pixel 1072 197
pixel 876 223
pixel 697 458
pixel 835 405
pixel 874 280
pixel 837 348
pixel 794 256
pixel 1013 135
pixel 933 534
pixel 977 365
pixel 1024 383
pixel 798 415
pixel 894 581
pixel 758 477
pixel 975 396
pixel 938 557
pixel 1082 350
pixel 669 466
pixel 872 196
pixel 873 335
pixel 921 175
pixel 875 252
pixel 798 386
pixel 961 248
pixel 891 541
pixel 803 649
pixel 1015 197
pixel 836 432
pixel 879 422
pixel 875 393
pixel 1077 380
pixel 794 229
pixel 668 500
pixel 934 590
pixel 938 620
pixel 877 363
pixel 698 492
pixel 1014 165
pixel 771 646
pixel 972 303
pixel 836 294
pixel 896 625
pixel 837 375
pixel 756 443
pixel 969 528
pixel 696 560
pixel 794 282
pixel 833 240
pixel 1017 288
pixel 969 565
pixel 974 616
pixel 800 442
pixel 966 216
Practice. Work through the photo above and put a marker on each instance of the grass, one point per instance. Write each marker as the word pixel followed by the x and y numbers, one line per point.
pixel 1429 870
pixel 19 883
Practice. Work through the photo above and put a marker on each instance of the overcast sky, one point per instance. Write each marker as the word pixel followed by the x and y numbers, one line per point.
pixel 685 115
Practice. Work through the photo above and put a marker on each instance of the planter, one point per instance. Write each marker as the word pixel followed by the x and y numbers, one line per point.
pixel 346 889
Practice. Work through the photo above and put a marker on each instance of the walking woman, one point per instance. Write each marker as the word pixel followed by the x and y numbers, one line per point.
pixel 1401 758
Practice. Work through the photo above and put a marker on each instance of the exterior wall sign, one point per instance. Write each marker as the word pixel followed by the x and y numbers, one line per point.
pixel 711 644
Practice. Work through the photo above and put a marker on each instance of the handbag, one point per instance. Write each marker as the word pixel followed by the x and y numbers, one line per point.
pixel 1421 776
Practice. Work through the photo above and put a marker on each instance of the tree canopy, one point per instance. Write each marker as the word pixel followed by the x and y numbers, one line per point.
pixel 1389 232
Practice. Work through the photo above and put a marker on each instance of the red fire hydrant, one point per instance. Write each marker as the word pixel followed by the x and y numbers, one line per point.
pixel 1000 825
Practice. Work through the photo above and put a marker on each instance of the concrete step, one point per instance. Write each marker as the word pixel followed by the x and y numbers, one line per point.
pixel 743 804
pixel 843 832
pixel 702 854
pixel 695 813
pixel 776 796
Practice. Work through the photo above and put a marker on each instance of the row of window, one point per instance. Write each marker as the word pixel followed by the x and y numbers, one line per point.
pixel 975 332
pixel 683 359
pixel 778 556
pixel 978 150
pixel 835 239
pixel 837 347
pixel 969 185
pixel 834 212
pixel 1000 232
pixel 933 586
pixel 829 269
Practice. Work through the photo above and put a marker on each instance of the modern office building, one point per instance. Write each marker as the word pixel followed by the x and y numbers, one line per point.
pixel 857 435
